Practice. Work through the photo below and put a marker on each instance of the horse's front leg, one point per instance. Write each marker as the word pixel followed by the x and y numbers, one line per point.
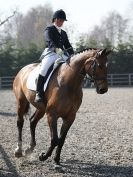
pixel 52 121
pixel 33 123
pixel 67 122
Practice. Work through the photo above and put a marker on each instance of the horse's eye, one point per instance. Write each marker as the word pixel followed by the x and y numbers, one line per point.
pixel 93 65
pixel 100 66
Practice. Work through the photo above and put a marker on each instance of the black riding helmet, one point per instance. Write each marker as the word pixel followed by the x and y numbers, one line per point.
pixel 59 14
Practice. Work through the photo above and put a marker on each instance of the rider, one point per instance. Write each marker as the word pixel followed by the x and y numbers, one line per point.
pixel 56 40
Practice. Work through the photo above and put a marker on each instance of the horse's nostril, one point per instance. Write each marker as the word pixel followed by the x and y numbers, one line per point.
pixel 102 90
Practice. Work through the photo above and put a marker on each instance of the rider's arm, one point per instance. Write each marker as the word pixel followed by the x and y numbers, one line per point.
pixel 67 45
pixel 49 39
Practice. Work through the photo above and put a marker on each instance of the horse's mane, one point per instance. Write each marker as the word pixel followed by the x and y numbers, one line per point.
pixel 83 51
pixel 86 49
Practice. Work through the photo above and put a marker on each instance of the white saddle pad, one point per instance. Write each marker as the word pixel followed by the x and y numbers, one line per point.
pixel 32 79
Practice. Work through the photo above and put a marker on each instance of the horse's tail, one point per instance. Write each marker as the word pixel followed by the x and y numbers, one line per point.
pixel 27 109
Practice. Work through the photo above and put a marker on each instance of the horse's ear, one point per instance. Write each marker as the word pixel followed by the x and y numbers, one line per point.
pixel 104 52
pixel 108 51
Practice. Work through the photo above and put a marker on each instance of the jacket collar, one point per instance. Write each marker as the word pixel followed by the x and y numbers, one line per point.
pixel 58 28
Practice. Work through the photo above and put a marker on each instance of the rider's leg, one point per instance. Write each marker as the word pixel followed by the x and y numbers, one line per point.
pixel 45 65
pixel 39 89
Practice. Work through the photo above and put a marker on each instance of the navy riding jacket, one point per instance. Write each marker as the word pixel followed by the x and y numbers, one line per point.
pixel 54 39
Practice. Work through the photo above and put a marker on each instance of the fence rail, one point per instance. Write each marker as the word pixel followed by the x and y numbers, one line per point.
pixel 120 79
pixel 116 80
pixel 113 80
pixel 6 82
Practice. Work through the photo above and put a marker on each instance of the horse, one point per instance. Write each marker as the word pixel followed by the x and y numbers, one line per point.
pixel 63 97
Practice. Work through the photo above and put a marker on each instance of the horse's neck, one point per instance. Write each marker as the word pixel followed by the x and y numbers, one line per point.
pixel 77 63
pixel 74 74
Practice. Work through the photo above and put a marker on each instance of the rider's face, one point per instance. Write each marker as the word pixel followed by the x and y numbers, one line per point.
pixel 59 22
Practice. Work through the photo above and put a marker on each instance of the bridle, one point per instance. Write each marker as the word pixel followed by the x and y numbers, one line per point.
pixel 92 77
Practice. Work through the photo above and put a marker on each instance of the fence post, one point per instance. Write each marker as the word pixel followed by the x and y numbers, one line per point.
pixel 0 83
pixel 129 79
pixel 111 79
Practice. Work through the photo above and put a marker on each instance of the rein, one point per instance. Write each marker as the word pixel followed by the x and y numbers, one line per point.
pixel 92 77
pixel 83 74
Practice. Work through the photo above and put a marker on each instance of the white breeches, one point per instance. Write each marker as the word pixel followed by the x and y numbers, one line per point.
pixel 48 60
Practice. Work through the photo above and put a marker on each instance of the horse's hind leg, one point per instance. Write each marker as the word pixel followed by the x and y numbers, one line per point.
pixel 33 122
pixel 22 108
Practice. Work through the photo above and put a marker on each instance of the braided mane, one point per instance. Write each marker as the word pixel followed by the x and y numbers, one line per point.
pixel 86 49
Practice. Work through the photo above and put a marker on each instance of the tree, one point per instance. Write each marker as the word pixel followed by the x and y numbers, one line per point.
pixel 115 28
pixel 2 22
pixel 30 28
pixel 3 35
pixel 81 43
pixel 111 32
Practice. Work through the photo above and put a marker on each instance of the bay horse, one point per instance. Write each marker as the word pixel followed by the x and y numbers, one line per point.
pixel 63 97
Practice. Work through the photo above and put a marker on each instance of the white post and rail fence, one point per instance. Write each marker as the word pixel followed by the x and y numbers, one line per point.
pixel 113 80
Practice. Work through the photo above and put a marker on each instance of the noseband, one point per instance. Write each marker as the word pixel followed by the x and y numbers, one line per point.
pixel 92 76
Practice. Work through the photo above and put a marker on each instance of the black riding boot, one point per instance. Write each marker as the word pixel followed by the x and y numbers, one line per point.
pixel 39 90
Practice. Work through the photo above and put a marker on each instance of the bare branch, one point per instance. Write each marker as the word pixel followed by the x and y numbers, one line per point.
pixel 1 23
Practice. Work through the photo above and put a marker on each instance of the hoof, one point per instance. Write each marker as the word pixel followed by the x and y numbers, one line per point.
pixel 29 151
pixel 57 166
pixel 43 157
pixel 57 161
pixel 18 153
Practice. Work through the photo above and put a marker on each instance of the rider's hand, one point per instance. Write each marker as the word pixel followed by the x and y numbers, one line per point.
pixel 59 51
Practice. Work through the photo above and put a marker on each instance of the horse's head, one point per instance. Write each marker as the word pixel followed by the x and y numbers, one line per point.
pixel 96 68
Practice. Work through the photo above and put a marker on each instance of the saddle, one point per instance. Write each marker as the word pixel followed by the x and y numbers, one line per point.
pixel 33 76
